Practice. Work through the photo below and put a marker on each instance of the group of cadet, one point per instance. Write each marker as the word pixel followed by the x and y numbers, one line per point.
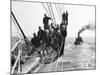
pixel 52 35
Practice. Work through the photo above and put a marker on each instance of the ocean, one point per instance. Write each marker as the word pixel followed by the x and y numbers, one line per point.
pixel 79 57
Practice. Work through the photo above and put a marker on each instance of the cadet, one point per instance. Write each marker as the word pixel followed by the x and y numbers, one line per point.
pixel 65 18
pixel 46 21
pixel 41 33
pixel 35 40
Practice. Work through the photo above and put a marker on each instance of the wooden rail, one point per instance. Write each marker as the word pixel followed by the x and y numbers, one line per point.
pixel 18 57
pixel 13 48
pixel 13 68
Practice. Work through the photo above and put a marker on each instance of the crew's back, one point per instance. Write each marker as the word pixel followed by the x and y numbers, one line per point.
pixel 35 40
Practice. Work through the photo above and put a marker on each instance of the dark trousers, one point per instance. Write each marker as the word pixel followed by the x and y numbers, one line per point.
pixel 46 26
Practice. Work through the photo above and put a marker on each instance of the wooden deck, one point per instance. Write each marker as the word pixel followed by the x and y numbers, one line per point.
pixel 73 59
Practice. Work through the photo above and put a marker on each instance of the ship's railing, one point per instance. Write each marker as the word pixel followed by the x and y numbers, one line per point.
pixel 18 46
pixel 13 48
pixel 17 61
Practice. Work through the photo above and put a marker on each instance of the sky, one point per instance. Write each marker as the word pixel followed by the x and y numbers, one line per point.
pixel 30 16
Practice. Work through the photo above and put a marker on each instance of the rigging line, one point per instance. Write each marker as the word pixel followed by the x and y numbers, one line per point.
pixel 58 12
pixel 63 42
pixel 49 10
pixel 59 9
pixel 17 28
pixel 62 65
pixel 52 13
pixel 25 38
pixel 45 8
pixel 49 65
pixel 42 69
pixel 14 22
pixel 17 24
pixel 59 54
pixel 63 8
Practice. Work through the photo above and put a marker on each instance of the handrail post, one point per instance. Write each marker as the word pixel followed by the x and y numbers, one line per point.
pixel 19 49
pixel 17 59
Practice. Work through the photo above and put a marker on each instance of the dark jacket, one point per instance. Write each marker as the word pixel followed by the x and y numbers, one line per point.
pixel 46 20
pixel 63 33
pixel 65 16
pixel 41 34
pixel 35 41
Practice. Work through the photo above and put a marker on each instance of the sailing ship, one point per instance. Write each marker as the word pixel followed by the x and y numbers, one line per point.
pixel 26 58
